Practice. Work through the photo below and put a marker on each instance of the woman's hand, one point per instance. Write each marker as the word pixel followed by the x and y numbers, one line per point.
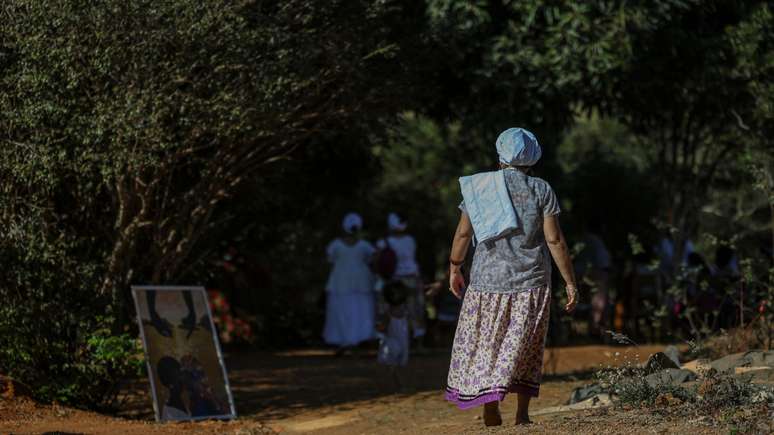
pixel 456 281
pixel 572 298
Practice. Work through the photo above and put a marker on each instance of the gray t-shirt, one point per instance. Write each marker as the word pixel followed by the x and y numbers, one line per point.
pixel 520 261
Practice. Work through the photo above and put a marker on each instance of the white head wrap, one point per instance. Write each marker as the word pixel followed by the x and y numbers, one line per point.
pixel 518 147
pixel 395 223
pixel 352 222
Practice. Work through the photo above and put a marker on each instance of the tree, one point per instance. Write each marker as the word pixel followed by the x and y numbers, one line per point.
pixel 161 110
pixel 125 125
pixel 665 69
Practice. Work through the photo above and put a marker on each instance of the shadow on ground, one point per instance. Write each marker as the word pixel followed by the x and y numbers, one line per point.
pixel 282 384
pixel 279 385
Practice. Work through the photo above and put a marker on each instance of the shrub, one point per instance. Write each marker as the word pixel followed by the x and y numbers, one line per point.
pixel 719 392
pixel 55 334
pixel 630 388
pixel 719 398
pixel 83 364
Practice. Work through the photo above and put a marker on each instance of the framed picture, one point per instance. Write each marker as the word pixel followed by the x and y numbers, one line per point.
pixel 185 365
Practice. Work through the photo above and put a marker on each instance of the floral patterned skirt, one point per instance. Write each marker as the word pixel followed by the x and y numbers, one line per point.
pixel 498 346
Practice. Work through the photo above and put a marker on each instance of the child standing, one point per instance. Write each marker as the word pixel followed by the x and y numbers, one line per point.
pixel 394 329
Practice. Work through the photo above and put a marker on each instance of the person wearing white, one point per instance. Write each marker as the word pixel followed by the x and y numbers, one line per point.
pixel 406 270
pixel 350 309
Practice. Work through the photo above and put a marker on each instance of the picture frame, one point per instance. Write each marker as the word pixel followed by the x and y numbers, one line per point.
pixel 186 369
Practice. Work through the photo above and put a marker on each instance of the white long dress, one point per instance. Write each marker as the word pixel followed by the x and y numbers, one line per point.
pixel 350 310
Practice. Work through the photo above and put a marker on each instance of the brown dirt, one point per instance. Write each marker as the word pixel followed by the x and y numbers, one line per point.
pixel 311 391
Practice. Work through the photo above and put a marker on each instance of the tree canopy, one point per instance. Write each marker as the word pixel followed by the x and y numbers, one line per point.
pixel 137 137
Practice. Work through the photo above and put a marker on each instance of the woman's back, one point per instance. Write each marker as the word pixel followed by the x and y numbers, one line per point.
pixel 520 261
pixel 405 250
pixel 350 272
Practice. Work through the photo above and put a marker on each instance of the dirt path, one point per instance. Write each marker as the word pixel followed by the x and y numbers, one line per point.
pixel 311 391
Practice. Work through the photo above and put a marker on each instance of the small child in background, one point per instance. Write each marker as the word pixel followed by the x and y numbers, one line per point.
pixel 393 329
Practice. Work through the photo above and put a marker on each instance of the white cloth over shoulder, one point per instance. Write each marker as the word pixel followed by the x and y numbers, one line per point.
pixel 405 249
pixel 351 272
pixel 489 205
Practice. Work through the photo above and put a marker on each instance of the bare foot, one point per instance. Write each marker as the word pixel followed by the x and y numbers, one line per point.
pixel 492 414
pixel 522 419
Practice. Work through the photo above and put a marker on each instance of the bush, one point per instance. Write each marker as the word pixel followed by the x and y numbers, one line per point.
pixel 630 388
pixel 55 334
pixel 718 398
pixel 83 365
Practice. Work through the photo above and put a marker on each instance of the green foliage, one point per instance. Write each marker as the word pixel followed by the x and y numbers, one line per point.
pixel 141 137
pixel 83 364
pixel 602 165
pixel 97 372
pixel 753 45
pixel 128 127
pixel 421 162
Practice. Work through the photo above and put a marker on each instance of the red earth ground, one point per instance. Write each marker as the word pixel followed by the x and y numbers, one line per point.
pixel 312 391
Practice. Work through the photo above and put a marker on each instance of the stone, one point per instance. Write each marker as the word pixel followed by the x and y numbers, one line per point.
pixel 697 366
pixel 670 376
pixel 659 361
pixel 585 392
pixel 672 353
pixel 753 358
pixel 757 375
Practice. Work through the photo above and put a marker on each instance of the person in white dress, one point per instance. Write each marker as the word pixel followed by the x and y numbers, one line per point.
pixel 350 307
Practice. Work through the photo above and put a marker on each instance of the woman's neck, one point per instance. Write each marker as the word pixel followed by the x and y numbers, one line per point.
pixel 523 170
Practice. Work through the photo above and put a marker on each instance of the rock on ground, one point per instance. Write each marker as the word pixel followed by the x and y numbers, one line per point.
pixel 670 376
pixel 659 361
pixel 754 358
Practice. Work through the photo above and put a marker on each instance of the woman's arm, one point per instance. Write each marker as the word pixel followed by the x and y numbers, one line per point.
pixel 462 238
pixel 561 254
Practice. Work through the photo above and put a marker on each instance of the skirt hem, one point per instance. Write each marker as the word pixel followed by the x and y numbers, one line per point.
pixel 464 401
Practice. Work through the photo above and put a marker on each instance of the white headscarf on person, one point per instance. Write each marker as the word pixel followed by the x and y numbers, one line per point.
pixel 518 147
pixel 352 222
pixel 395 223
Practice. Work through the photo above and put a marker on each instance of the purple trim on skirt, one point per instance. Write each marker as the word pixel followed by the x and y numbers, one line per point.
pixel 499 393
pixel 480 400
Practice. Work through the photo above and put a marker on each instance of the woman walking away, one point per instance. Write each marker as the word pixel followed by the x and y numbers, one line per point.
pixel 407 272
pixel 349 314
pixel 498 345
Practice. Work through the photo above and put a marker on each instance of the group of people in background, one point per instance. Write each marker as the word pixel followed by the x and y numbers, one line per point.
pixel 363 305
pixel 374 290
pixel 643 288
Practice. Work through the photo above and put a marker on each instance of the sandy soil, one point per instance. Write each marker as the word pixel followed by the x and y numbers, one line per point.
pixel 312 391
